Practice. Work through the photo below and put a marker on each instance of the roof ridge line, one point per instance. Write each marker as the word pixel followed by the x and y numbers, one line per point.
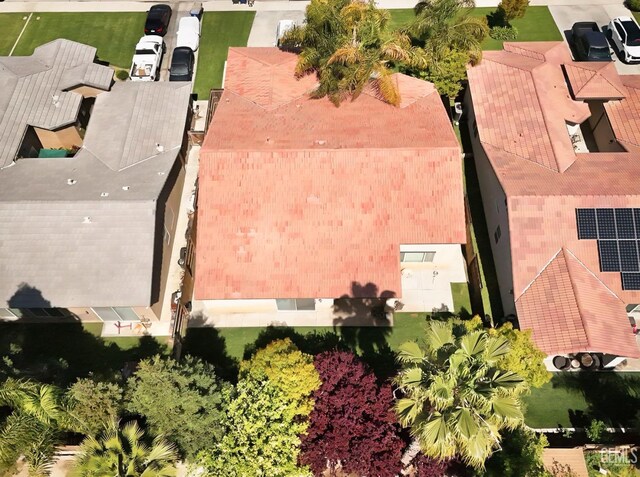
pixel 544 119
pixel 575 294
pixel 524 290
pixel 607 80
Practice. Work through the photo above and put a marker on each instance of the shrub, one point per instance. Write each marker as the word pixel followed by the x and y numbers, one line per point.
pixel 95 404
pixel 633 5
pixel 122 75
pixel 513 9
pixel 596 432
pixel 504 33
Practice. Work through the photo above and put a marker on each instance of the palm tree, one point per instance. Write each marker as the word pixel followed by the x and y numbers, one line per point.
pixel 445 25
pixel 123 452
pixel 348 45
pixel 38 416
pixel 456 398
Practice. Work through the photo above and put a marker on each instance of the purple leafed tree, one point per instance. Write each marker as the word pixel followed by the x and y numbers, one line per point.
pixel 427 467
pixel 352 426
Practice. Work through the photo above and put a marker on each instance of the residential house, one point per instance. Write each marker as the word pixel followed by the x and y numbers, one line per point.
pixel 557 150
pixel 310 213
pixel 90 179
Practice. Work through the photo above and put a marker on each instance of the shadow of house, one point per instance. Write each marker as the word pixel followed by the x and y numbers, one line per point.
pixel 62 350
pixel 611 397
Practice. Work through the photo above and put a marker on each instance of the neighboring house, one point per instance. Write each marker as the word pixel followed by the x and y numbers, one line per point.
pixel 90 183
pixel 325 211
pixel 557 150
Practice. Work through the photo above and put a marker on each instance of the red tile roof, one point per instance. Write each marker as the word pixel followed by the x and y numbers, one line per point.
pixel 595 80
pixel 522 103
pixel 300 199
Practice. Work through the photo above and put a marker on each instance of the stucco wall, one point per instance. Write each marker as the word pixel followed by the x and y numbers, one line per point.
pixel 496 213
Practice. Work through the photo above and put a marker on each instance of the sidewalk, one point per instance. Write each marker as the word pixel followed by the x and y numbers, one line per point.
pixel 227 5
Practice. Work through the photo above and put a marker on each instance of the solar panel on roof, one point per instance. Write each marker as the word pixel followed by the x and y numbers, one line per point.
pixel 631 281
pixel 609 257
pixel 628 256
pixel 636 217
pixel 624 224
pixel 606 224
pixel 586 223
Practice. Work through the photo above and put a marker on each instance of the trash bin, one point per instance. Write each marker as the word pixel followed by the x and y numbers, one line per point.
pixel 196 10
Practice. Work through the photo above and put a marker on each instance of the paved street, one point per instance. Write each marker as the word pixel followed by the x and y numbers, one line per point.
pixel 566 16
pixel 263 31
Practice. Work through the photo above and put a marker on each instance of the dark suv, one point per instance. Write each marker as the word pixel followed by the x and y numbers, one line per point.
pixel 181 64
pixel 158 20
pixel 589 43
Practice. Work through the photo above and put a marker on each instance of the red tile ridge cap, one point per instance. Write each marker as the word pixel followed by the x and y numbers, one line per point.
pixel 247 51
pixel 546 265
pixel 577 293
pixel 597 73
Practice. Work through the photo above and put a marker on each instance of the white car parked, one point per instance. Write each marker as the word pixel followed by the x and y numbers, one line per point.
pixel 625 33
pixel 188 33
pixel 283 27
pixel 146 61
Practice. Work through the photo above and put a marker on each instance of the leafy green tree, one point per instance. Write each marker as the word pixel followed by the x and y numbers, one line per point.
pixel 348 44
pixel 184 401
pixel 521 455
pixel 457 399
pixel 447 74
pixel 34 426
pixel 445 25
pixel 260 439
pixel 289 370
pixel 512 9
pixel 524 358
pixel 125 452
pixel 94 404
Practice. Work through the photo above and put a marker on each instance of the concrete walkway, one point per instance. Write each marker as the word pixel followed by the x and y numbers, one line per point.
pixel 265 23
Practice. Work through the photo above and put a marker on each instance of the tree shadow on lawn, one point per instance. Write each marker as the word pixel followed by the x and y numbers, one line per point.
pixel 208 344
pixel 60 350
pixel 613 398
pixel 59 353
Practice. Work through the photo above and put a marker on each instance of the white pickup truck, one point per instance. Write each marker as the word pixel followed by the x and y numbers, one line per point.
pixel 146 61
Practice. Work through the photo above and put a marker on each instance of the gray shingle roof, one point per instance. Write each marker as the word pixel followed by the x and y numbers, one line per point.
pixel 33 90
pixel 46 240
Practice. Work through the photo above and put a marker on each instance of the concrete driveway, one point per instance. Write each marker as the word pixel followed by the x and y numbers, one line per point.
pixel 566 16
pixel 263 31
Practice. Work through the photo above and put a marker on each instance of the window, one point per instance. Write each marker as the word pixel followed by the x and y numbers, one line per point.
pixel 417 256
pixel 497 234
pixel 296 304
pixel 116 314
pixel 167 235
pixel 7 314
pixel 46 312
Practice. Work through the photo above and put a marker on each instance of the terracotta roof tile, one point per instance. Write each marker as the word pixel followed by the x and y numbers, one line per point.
pixel 595 80
pixel 542 199
pixel 302 199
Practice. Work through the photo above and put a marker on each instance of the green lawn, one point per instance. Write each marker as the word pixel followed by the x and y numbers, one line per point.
pixel 461 299
pixel 536 25
pixel 113 34
pixel 10 25
pixel 574 399
pixel 225 347
pixel 220 30
pixel 62 352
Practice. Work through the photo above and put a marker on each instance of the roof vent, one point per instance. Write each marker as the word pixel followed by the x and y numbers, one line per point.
pixel 104 194
pixel 126 187
pixel 86 220
pixel 159 147
pixel 320 142
pixel 160 173
pixel 71 181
